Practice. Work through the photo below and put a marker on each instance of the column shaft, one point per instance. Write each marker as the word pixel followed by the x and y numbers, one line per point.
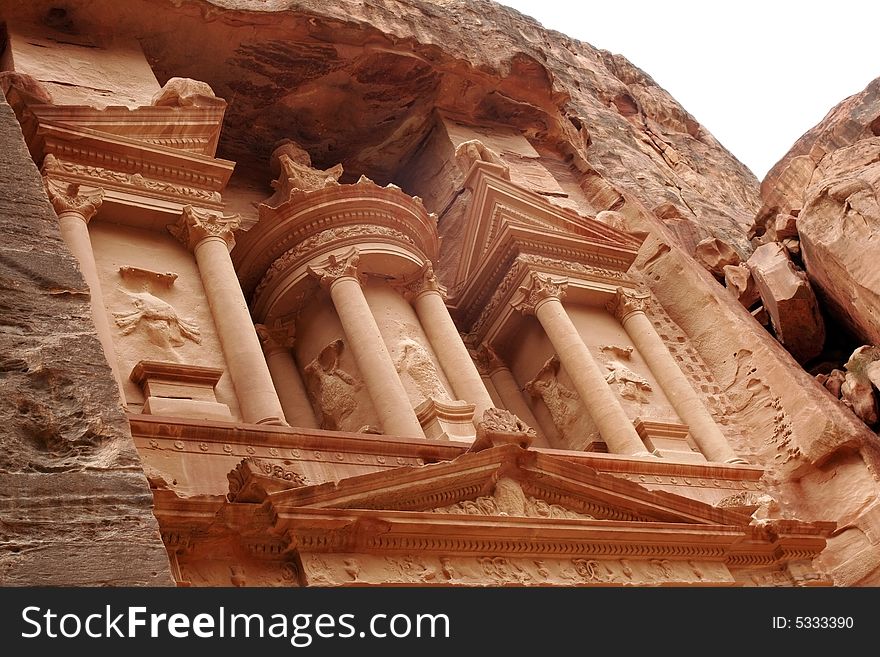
pixel 241 347
pixel 451 352
pixel 614 426
pixel 75 232
pixel 373 360
pixel 512 398
pixel 291 391
pixel 678 389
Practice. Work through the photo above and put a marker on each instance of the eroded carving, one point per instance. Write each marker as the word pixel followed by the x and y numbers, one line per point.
pixel 296 174
pixel 331 388
pixel 508 499
pixel 336 267
pixel 630 385
pixel 560 400
pixel 537 289
pixel 627 302
pixel 158 320
pixel 416 363
pixel 473 150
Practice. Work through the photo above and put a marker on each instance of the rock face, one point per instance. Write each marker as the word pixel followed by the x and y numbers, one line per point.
pixel 789 300
pixel 75 508
pixel 573 130
pixel 716 255
pixel 829 179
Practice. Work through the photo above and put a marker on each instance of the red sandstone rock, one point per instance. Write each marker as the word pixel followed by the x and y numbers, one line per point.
pixel 715 255
pixel 738 279
pixel 834 381
pixel 789 300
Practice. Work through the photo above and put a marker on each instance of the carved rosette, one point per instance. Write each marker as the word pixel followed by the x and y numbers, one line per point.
pixel 537 289
pixel 196 224
pixel 70 197
pixel 426 281
pixel 336 267
pixel 277 336
pixel 627 302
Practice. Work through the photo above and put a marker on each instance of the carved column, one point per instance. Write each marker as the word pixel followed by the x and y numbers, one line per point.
pixel 339 275
pixel 508 389
pixel 209 236
pixel 75 208
pixel 629 308
pixel 426 296
pixel 277 341
pixel 542 296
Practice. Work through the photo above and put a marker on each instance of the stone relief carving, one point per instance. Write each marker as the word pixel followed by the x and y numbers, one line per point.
pixel 561 401
pixel 508 499
pixel 52 164
pixel 70 197
pixel 503 570
pixel 158 320
pixel 413 569
pixel 197 224
pixel 331 388
pixel 473 150
pixel 415 362
pixel 630 385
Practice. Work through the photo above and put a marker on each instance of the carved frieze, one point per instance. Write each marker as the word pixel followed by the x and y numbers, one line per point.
pixel 52 164
pixel 197 224
pixel 510 500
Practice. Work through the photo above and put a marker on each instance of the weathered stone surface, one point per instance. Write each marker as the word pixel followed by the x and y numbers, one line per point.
pixel 830 179
pixel 75 508
pixel 861 378
pixel 738 279
pixel 184 92
pixel 789 299
pixel 715 255
pixel 833 382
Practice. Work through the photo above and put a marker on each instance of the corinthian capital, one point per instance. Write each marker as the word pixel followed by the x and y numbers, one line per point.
pixel 627 302
pixel 426 281
pixel 276 336
pixel 196 224
pixel 537 289
pixel 69 197
pixel 335 267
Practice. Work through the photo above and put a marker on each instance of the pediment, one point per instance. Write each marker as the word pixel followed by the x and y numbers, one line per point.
pixel 505 481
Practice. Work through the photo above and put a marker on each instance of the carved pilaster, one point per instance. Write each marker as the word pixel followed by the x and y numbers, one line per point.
pixel 335 267
pixel 537 289
pixel 425 281
pixel 277 336
pixel 627 302
pixel 69 197
pixel 196 224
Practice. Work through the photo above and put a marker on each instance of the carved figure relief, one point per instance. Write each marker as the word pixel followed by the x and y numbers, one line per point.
pixel 473 150
pixel 415 362
pixel 158 320
pixel 331 388
pixel 571 419
pixel 508 499
pixel 630 385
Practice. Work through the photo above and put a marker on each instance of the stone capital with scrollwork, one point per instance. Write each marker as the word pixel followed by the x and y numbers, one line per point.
pixel 70 197
pixel 537 289
pixel 627 302
pixel 488 361
pixel 337 267
pixel 425 281
pixel 276 335
pixel 196 225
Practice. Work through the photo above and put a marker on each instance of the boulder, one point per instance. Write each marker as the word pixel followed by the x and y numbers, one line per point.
pixel 789 300
pixel 738 279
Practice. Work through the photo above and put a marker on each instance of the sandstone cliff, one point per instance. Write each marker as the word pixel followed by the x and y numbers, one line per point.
pixel 360 82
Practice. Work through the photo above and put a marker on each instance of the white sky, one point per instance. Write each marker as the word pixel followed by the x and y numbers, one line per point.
pixel 756 74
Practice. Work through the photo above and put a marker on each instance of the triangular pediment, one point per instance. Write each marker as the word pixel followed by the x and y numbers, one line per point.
pixel 506 481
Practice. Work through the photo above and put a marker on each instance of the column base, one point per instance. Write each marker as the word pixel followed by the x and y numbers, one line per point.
pixel 273 421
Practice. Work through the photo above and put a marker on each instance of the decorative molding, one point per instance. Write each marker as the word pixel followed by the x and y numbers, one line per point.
pixel 52 164
pixel 571 267
pixel 69 197
pixel 252 479
pixel 425 281
pixel 538 289
pixel 627 302
pixel 335 267
pixel 196 225
pixel 291 257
